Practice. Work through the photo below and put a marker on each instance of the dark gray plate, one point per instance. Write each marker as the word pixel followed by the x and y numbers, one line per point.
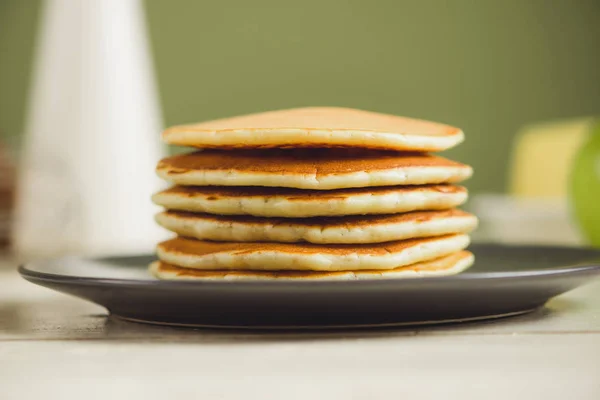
pixel 504 281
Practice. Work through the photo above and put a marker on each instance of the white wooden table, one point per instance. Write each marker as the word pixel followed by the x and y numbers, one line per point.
pixel 56 346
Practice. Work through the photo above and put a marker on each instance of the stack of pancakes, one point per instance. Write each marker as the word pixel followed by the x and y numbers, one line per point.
pixel 313 193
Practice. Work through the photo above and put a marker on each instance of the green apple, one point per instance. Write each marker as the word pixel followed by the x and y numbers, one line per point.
pixel 585 186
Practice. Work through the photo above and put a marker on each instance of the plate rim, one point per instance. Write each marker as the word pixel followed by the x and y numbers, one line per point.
pixel 584 268
pixel 250 328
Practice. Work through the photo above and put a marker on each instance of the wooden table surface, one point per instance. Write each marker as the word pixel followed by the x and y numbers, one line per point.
pixel 56 346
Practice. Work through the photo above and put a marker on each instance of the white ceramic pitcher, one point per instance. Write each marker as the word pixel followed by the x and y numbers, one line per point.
pixel 92 137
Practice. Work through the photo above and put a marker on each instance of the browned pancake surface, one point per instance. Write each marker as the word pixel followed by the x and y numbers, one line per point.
pixel 185 246
pixel 345 221
pixel 301 161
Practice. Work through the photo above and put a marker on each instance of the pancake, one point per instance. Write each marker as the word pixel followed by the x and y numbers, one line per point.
pixel 197 254
pixel 317 127
pixel 320 169
pixel 296 203
pixel 448 265
pixel 320 230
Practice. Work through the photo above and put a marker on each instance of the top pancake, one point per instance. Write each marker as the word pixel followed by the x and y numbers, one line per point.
pixel 319 169
pixel 317 127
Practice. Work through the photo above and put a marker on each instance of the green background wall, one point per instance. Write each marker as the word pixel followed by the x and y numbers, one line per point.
pixel 486 66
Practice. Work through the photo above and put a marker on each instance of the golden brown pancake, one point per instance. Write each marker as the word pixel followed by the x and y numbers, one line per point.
pixel 323 230
pixel 320 169
pixel 296 203
pixel 317 127
pixel 442 266
pixel 191 253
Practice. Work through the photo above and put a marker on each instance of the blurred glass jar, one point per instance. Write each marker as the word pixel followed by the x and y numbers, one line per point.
pixel 585 186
